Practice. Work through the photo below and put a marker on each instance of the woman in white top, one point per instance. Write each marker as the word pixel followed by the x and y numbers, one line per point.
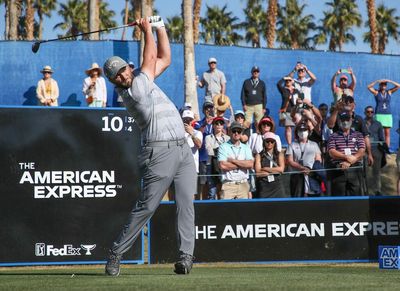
pixel 47 89
pixel 94 87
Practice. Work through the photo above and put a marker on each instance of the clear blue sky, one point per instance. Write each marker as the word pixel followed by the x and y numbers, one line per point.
pixel 168 8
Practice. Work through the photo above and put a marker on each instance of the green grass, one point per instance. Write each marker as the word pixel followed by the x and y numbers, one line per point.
pixel 203 277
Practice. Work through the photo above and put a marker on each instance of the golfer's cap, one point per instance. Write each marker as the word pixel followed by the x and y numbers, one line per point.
pixel 187 114
pixel 344 115
pixel 212 60
pixel 112 66
pixel 238 112
pixel 255 68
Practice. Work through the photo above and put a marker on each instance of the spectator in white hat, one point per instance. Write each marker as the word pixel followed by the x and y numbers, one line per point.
pixel 47 88
pixel 213 80
pixel 94 87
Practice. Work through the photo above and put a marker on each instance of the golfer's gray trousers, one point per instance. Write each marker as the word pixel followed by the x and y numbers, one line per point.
pixel 163 163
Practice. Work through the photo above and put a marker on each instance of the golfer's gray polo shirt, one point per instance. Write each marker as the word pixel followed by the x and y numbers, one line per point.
pixel 155 114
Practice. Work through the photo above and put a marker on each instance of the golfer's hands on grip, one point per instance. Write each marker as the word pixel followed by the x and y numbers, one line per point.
pixel 156 21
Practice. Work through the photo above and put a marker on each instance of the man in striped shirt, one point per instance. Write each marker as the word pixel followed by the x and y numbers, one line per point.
pixel 346 149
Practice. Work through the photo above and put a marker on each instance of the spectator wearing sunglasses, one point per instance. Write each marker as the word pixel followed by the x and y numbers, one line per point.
pixel 344 88
pixel 376 136
pixel 303 83
pixel 235 161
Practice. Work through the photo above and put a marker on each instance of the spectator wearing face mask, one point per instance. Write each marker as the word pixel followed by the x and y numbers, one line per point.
pixel 346 148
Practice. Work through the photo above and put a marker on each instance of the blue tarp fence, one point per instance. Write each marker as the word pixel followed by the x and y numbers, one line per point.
pixel 20 71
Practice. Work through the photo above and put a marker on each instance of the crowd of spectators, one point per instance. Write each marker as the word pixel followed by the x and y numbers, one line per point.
pixel 330 149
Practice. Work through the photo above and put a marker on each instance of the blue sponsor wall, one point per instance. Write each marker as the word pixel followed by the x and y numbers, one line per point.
pixel 20 71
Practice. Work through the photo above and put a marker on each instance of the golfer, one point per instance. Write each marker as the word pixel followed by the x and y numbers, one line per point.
pixel 165 156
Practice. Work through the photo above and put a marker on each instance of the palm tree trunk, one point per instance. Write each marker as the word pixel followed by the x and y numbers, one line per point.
pixel 190 72
pixel 29 19
pixel 40 33
pixel 94 19
pixel 125 19
pixel 137 12
pixel 196 20
pixel 14 11
pixel 382 43
pixel 6 19
pixel 147 10
pixel 372 26
pixel 272 14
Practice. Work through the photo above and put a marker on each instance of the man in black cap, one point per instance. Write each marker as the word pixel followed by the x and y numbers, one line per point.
pixel 346 148
pixel 254 96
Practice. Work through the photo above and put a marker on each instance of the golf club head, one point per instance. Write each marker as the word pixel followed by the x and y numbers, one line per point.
pixel 35 46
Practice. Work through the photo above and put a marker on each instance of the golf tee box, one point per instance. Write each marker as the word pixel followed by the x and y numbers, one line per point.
pixel 389 257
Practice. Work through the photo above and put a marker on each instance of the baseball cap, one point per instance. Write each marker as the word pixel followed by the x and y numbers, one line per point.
pixel 218 119
pixel 287 78
pixel 112 66
pixel 237 112
pixel 269 135
pixel 266 120
pixel 208 102
pixel 187 104
pixel 131 64
pixel 343 77
pixel 255 68
pixel 236 125
pixel 187 114
pixel 212 60
pixel 344 115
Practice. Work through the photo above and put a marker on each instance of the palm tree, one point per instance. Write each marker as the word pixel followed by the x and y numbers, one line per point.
pixel 6 17
pixel 219 26
pixel 272 14
pixel 255 22
pixel 387 26
pixel 74 14
pixel 175 29
pixel 189 61
pixel 293 27
pixel 338 21
pixel 372 25
pixel 196 20
pixel 44 8
pixel 74 17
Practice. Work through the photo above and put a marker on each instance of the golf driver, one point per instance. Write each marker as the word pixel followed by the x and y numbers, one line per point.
pixel 36 45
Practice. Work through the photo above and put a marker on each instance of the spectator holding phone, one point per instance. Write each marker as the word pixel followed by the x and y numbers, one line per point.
pixel 303 83
pixel 383 112
pixel 344 88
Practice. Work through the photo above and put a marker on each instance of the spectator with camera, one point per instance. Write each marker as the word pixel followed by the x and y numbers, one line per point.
pixel 235 161
pixel 344 88
pixel 212 143
pixel 303 83
pixel 269 165
pixel 289 96
pixel 301 156
pixel 346 148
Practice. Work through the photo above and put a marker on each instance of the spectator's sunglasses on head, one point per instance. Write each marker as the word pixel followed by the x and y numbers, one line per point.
pixel 238 131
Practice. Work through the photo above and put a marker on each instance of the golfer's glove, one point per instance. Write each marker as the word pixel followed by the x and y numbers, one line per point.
pixel 156 21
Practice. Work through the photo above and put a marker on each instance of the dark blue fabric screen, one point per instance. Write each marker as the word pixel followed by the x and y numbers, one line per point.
pixel 20 71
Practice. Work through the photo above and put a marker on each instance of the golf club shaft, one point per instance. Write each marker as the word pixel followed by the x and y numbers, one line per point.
pixel 90 32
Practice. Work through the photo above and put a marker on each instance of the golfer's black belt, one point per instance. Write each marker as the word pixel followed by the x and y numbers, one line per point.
pixel 167 143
